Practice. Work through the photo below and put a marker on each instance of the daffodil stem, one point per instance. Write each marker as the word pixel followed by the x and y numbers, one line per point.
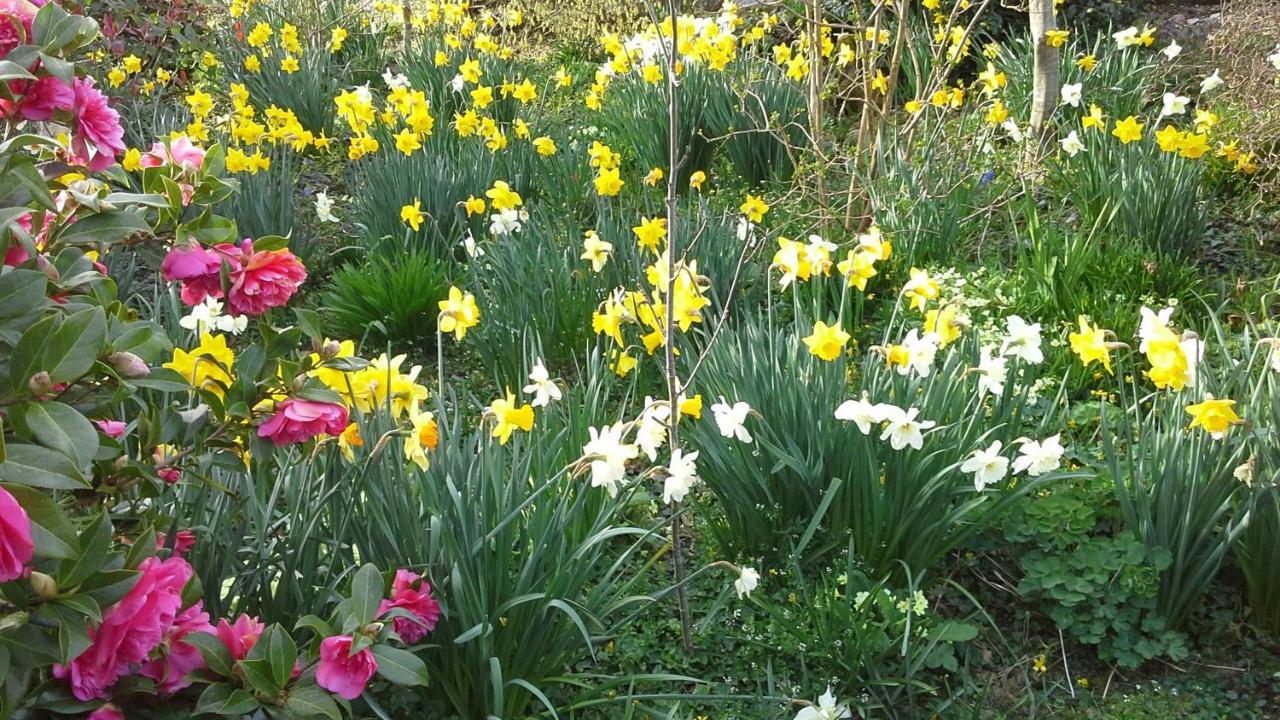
pixel 439 361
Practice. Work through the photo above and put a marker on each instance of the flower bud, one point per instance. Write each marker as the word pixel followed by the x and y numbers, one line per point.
pixel 129 365
pixel 46 267
pixel 40 384
pixel 45 586
pixel 330 349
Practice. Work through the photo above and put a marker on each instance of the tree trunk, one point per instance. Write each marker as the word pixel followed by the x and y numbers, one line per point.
pixel 1044 90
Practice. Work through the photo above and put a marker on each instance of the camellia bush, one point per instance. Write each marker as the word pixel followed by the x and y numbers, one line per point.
pixel 98 608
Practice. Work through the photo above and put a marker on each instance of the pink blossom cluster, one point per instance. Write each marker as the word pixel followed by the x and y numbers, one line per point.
pixel 259 280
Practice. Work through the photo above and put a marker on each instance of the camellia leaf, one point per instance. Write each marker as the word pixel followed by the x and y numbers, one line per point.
pixel 104 228
pixel 53 533
pixel 21 291
pixel 400 666
pixel 59 427
pixel 366 593
pixel 226 699
pixel 40 467
pixel 215 653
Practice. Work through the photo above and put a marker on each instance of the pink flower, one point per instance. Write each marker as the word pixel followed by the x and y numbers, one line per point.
pixel 342 673
pixel 181 151
pixel 267 280
pixel 16 546
pixel 183 541
pixel 98 137
pixel 410 592
pixel 297 420
pixel 42 97
pixel 178 658
pixel 106 712
pixel 198 269
pixel 131 629
pixel 239 636
pixel 112 428
pixel 15 12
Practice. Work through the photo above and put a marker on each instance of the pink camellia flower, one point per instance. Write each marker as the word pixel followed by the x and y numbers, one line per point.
pixel 131 629
pixel 98 137
pixel 16 545
pixel 112 428
pixel 342 673
pixel 106 712
pixel 239 636
pixel 178 658
pixel 297 420
pixel 198 269
pixel 14 13
pixel 44 96
pixel 265 280
pixel 183 541
pixel 180 151
pixel 410 592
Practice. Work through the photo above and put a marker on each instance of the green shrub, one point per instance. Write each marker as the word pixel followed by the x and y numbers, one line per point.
pixel 387 300
pixel 1258 554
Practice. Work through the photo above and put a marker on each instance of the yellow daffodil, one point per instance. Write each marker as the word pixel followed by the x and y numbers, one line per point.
pixel 412 215
pixel 1090 344
pixel 826 341
pixel 1213 416
pixel 458 313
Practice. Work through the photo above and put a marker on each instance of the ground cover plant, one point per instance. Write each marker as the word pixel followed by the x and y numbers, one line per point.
pixel 803 359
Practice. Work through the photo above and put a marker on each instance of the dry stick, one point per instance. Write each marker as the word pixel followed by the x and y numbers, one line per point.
pixel 814 9
pixel 673 382
pixel 1066 669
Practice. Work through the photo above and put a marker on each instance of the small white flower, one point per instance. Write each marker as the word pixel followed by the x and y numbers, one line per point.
pixel 902 429
pixel 1038 458
pixel 1211 83
pixel 746 231
pixel 731 419
pixel 608 455
pixel 324 207
pixel 747 581
pixel 1274 58
pixel 921 351
pixel 1072 93
pixel 862 413
pixel 1174 104
pixel 1015 132
pixel 1173 51
pixel 682 474
pixel 458 83
pixel 988 466
pixel 1071 144
pixel 1022 340
pixel 826 709
pixel 541 385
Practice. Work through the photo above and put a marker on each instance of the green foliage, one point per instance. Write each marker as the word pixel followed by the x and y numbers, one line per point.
pixel 1258 554
pixel 1098 589
pixel 387 301
pixel 266 204
pixel 829 485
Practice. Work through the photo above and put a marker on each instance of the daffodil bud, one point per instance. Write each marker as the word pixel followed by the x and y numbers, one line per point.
pixel 129 365
pixel 45 586
pixel 40 384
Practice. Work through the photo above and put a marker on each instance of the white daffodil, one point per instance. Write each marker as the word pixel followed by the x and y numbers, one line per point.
pixel 1037 458
pixel 324 207
pixel 1211 83
pixel 1022 340
pixel 862 413
pixel 1071 144
pixel 1072 93
pixel 1173 50
pixel 472 248
pixel 541 386
pixel 731 419
pixel 902 429
pixel 1151 322
pixel 1126 38
pixel 987 466
pixel 651 432
pixel 608 454
pixel 747 581
pixel 826 709
pixel 1174 104
pixel 682 474
pixel 993 370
